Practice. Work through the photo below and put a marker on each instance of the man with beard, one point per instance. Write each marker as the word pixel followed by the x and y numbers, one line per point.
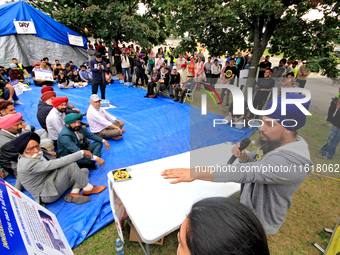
pixel 268 174
pixel 47 178
pixel 45 106
pixel 101 123
pixel 11 127
pixel 73 138
pixel 55 119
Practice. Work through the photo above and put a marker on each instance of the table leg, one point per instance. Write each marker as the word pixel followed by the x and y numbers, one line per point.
pixel 147 252
pixel 147 249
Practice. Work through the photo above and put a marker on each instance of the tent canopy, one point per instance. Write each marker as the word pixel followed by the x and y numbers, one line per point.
pixel 51 39
pixel 46 27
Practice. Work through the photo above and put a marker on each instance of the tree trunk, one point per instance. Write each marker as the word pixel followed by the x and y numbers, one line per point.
pixel 110 55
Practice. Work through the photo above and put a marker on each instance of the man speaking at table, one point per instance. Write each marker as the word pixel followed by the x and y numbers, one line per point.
pixel 267 193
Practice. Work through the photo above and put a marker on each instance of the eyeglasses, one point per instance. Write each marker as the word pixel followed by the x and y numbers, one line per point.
pixel 30 149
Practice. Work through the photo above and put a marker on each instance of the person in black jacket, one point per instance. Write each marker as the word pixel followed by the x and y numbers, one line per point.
pixel 140 70
pixel 45 106
pixel 163 81
pixel 175 80
pixel 116 52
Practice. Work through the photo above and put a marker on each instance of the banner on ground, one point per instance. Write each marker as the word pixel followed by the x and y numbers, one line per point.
pixel 28 228
pixel 25 27
pixel 17 87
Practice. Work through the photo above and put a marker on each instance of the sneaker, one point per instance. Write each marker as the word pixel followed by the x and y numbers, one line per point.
pixel 95 190
pixel 322 156
pixel 171 96
pixel 155 95
pixel 147 95
pixel 181 102
pixel 176 99
pixel 17 103
pixel 76 198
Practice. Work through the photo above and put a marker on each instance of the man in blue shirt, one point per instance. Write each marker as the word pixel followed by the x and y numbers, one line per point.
pixel 85 74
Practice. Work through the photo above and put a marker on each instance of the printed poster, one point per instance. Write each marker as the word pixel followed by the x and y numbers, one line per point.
pixel 28 228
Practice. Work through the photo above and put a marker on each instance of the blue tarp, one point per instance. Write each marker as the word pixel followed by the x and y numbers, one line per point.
pixel 46 27
pixel 155 128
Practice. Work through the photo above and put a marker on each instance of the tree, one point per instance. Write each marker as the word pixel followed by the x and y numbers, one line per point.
pixel 247 24
pixel 109 20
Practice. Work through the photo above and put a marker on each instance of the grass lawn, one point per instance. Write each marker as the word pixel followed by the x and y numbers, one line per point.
pixel 316 205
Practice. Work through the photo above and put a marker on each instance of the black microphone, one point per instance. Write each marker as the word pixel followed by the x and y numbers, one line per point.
pixel 244 144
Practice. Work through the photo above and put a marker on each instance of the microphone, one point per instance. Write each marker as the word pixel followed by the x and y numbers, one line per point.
pixel 244 144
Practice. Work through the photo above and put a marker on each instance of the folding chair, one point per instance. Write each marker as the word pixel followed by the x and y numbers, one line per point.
pixel 190 94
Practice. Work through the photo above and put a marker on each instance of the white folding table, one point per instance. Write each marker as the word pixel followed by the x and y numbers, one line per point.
pixel 157 207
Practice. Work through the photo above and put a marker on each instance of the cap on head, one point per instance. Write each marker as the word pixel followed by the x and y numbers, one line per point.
pixel 95 98
pixel 98 55
pixel 20 143
pixel 174 68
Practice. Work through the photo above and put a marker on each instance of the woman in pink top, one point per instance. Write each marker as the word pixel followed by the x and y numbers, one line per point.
pixel 199 72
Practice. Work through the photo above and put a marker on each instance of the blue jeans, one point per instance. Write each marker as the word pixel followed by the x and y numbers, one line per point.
pixel 332 143
pixel 6 95
pixel 171 88
pixel 128 73
pixel 151 66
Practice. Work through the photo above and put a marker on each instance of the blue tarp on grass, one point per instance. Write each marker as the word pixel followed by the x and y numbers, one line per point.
pixel 155 128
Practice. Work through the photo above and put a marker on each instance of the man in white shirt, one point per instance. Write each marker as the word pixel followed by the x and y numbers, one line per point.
pixel 101 123
pixel 55 119
pixel 180 61
pixel 160 62
pixel 183 74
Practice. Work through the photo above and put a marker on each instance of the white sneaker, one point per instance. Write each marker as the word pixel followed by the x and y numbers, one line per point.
pixel 17 103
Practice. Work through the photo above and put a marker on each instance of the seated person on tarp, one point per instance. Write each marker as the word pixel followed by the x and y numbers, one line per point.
pixel 21 67
pixel 45 106
pixel 7 107
pixel 163 82
pixel 11 128
pixel 154 77
pixel 47 178
pixel 101 123
pixel 75 78
pixel 238 120
pixel 85 74
pixel 188 85
pixel 7 92
pixel 64 82
pixel 38 67
pixel 218 225
pixel 56 71
pixel 15 73
pixel 73 138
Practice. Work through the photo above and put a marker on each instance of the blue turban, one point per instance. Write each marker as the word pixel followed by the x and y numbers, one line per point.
pixel 292 112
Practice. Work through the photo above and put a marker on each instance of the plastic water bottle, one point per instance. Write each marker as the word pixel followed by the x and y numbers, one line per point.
pixel 119 247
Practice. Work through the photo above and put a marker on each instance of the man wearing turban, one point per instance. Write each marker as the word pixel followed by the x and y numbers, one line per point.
pixel 45 106
pixel 73 138
pixel 55 119
pixel 272 174
pixel 47 178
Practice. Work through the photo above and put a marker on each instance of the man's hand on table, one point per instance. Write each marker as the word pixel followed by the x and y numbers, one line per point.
pixel 180 174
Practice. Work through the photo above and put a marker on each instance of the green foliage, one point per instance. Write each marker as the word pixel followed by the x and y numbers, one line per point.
pixel 252 24
pixel 109 20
